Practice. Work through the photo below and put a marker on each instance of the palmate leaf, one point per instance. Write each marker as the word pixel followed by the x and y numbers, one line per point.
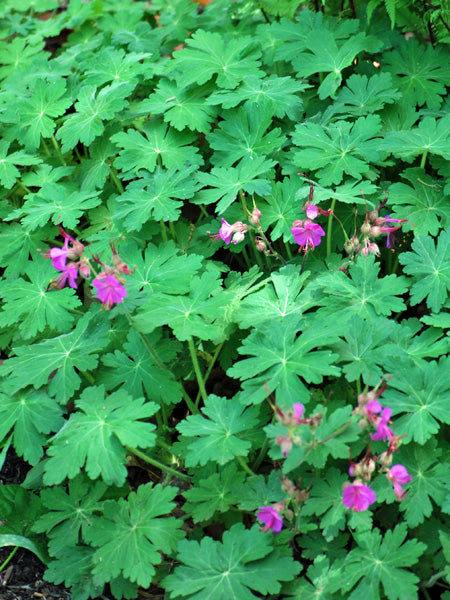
pixel 430 476
pixel 214 494
pixel 326 56
pixel 95 436
pixel 363 293
pixel 92 109
pixel 33 364
pixel 431 136
pixel 244 132
pixel 139 151
pixel 322 581
pixel 340 147
pixel 207 54
pixel 17 245
pixel 134 533
pixel 114 65
pixel 421 397
pixel 70 514
pixel 362 95
pixel 56 202
pixel 259 491
pixel 220 434
pixel 420 72
pixel 223 184
pixel 281 359
pixel 231 569
pixel 283 208
pixel 430 267
pixel 181 107
pixel 9 172
pixel 33 306
pixel 423 203
pixel 156 196
pixel 137 371
pixel 276 94
pixel 34 115
pixel 382 560
pixel 31 414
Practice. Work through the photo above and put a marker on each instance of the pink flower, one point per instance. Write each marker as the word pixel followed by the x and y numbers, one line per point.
pixel 271 518
pixel 109 290
pixel 299 409
pixel 383 432
pixel 358 497
pixel 307 234
pixel 285 443
pixel 59 256
pixel 399 476
pixel 312 211
pixel 230 233
pixel 70 274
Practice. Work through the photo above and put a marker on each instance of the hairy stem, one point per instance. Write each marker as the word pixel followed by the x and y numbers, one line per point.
pixel 198 373
pixel 156 463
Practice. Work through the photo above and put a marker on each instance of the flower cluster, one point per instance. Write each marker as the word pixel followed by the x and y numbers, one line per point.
pixel 358 496
pixel 231 233
pixel 292 420
pixel 72 262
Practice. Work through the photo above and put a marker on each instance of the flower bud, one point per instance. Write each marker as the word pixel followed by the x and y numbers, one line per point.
pixel 372 215
pixel 375 231
pixel 85 269
pixel 365 228
pixel 386 459
pixel 239 236
pixel 255 216
pixel 260 245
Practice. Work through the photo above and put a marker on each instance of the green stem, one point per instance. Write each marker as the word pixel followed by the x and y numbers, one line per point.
pixel 23 186
pixel 261 455
pixel 330 228
pixel 5 563
pixel 163 231
pixel 210 368
pixel 58 151
pixel 423 159
pixel 331 436
pixel 358 386
pixel 246 257
pixel 198 374
pixel 156 463
pixel 88 377
pixel 115 178
pixel 173 233
pixel 244 465
pixel 288 251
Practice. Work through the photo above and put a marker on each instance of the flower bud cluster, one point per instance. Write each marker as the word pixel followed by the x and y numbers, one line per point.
pixel 292 419
pixel 73 263
pixel 358 496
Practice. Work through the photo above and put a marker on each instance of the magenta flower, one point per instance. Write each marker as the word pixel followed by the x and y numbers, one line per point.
pixel 399 476
pixel 69 274
pixel 358 497
pixel 383 432
pixel 312 211
pixel 59 256
pixel 230 233
pixel 109 290
pixel 299 409
pixel 271 518
pixel 307 234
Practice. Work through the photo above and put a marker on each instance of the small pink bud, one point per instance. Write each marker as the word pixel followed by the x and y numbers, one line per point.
pixel 255 216
pixel 239 236
pixel 85 269
pixel 366 228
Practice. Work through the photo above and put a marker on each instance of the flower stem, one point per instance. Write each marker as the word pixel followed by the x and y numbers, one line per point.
pixel 423 160
pixel 198 374
pixel 210 368
pixel 288 251
pixel 330 228
pixel 261 454
pixel 115 178
pixel 156 463
pixel 244 465
pixel 5 563
pixel 163 231
pixel 58 151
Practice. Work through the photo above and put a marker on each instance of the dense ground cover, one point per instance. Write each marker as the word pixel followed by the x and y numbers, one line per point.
pixel 225 273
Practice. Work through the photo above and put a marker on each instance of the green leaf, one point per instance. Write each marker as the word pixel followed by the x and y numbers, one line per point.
pixel 10 539
pixel 431 136
pixel 133 534
pixel 33 306
pixel 382 560
pixel 363 95
pixel 92 109
pixel 362 293
pixel 430 267
pixel 137 371
pixel 16 246
pixel 421 72
pixel 159 143
pixel 423 204
pixel 278 95
pixel 156 196
pixel 225 183
pixel 16 54
pixel 56 203
pixel 9 172
pixel 244 133
pixel 219 435
pixel 208 53
pixel 95 436
pixel 283 208
pixel 114 65
pixel 70 514
pixel 340 147
pixel 327 57
pixel 430 476
pixel 213 494
pixel 230 569
pixel 34 115
pixel 188 316
pixel 31 414
pixel 422 397
pixel 321 581
pixel 256 491
pixel 281 360
pixel 33 364
pixel 181 107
